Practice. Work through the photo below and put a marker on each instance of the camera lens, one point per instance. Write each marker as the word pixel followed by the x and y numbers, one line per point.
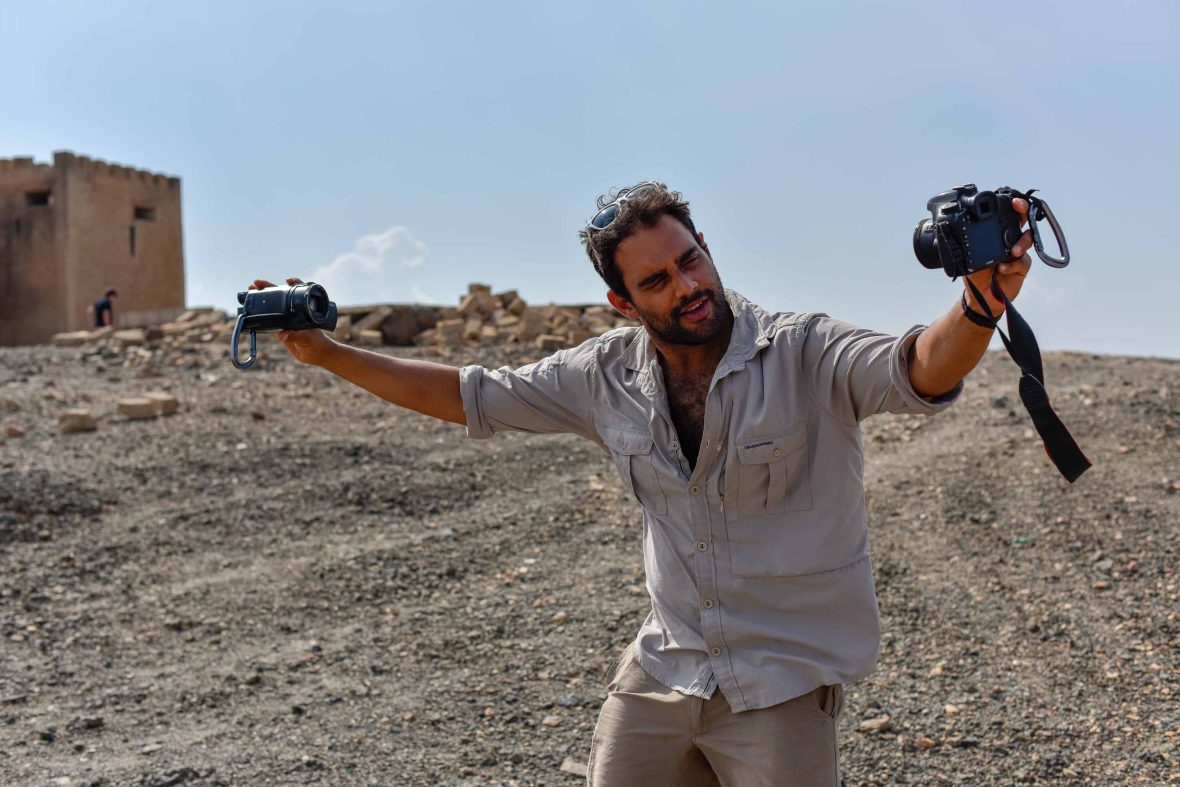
pixel 317 303
pixel 926 245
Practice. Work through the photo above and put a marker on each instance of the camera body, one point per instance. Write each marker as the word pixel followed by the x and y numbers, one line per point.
pixel 296 307
pixel 968 230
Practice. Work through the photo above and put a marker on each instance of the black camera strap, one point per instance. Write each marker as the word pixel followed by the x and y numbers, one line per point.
pixel 1059 444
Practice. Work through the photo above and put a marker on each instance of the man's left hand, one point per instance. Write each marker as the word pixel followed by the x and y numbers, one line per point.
pixel 1008 274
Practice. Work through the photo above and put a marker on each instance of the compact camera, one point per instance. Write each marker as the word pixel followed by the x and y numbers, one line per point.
pixel 294 308
pixel 971 229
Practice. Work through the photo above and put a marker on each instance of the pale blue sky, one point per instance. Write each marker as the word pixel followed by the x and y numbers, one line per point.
pixel 401 150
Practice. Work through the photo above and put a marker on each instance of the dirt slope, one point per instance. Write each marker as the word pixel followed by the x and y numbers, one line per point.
pixel 291 582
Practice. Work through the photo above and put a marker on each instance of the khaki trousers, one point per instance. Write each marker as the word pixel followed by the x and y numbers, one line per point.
pixel 651 736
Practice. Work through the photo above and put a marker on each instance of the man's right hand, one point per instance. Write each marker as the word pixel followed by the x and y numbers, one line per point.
pixel 309 346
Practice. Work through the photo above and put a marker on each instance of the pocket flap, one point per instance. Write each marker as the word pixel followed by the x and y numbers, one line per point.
pixel 764 449
pixel 627 441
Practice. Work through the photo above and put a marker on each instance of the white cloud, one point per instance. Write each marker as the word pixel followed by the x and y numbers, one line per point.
pixel 373 272
pixel 419 296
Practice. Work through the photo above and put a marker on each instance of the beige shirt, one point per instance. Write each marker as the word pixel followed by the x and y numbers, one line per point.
pixel 756 559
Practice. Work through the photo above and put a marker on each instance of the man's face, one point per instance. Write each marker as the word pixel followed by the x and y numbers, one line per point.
pixel 675 290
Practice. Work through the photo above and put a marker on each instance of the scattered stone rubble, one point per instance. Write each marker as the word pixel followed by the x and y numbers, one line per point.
pixel 481 318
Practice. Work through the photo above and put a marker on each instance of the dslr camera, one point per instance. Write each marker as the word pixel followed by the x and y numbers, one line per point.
pixel 971 229
pixel 293 308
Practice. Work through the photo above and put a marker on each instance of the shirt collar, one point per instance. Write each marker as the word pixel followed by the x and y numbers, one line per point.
pixel 753 329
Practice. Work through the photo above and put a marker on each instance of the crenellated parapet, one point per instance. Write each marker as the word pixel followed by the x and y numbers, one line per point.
pixel 22 163
pixel 111 170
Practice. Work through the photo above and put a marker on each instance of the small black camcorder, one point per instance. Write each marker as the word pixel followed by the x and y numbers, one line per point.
pixel 294 308
pixel 971 229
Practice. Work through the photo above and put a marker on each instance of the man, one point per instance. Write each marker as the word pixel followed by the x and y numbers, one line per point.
pixel 104 309
pixel 737 431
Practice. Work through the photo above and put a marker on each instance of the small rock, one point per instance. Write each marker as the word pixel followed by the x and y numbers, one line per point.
pixel 925 742
pixel 559 617
pixel 551 721
pixel 137 409
pixel 72 421
pixel 873 726
pixel 15 430
pixel 1101 584
pixel 151 748
pixel 570 701
pixel 570 765
pixel 951 710
pixel 408 716
pixel 164 403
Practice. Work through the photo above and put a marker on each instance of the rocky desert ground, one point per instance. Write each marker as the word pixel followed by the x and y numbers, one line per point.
pixel 289 581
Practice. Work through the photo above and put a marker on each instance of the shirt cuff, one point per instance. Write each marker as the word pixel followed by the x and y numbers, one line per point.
pixel 470 378
pixel 900 372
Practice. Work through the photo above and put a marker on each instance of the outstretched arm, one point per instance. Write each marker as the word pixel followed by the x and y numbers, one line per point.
pixel 951 347
pixel 428 388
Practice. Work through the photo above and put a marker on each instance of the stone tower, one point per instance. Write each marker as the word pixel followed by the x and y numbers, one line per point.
pixel 72 229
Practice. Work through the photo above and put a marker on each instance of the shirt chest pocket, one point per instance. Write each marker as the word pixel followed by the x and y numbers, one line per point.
pixel 632 451
pixel 772 474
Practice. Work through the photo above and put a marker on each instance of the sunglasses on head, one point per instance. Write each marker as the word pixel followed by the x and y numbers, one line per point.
pixel 607 214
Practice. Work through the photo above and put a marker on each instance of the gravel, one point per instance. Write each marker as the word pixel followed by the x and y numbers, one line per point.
pixel 290 581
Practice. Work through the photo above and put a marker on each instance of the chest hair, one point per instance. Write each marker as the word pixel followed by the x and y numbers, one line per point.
pixel 686 401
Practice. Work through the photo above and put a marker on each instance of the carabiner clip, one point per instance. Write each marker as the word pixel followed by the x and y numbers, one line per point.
pixel 1036 207
pixel 233 345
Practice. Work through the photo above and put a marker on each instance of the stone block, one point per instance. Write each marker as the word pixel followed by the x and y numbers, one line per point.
pixel 506 297
pixel 472 328
pixel 450 332
pixel 164 403
pixel 550 341
pixel 137 408
pixel 477 304
pixel 489 334
pixel 578 335
pixel 508 322
pixel 516 307
pixel 71 338
pixel 532 324
pixel 371 338
pixel 131 337
pixel 72 421
pixel 401 326
pixel 101 333
pixel 372 321
pixel 343 330
pixel 475 287
pixel 426 337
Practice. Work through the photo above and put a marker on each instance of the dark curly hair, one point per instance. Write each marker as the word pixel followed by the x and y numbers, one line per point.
pixel 642 211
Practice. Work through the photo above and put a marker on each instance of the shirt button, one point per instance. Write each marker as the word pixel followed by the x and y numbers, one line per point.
pixel 778 452
pixel 695 489
pixel 702 546
pixel 675 445
pixel 716 651
pixel 708 603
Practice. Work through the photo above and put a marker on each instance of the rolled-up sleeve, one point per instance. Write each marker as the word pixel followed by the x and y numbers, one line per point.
pixel 554 394
pixel 857 373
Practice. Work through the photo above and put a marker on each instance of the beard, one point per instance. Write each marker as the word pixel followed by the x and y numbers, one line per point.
pixel 670 329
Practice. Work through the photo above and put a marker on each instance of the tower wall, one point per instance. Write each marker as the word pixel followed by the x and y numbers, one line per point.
pixel 70 231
